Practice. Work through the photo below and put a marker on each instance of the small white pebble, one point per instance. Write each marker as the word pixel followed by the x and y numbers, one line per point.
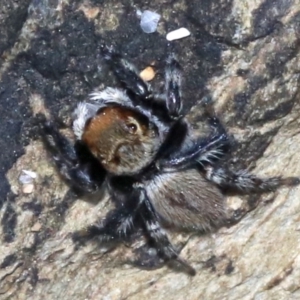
pixel 178 34
pixel 152 251
pixel 139 13
pixel 27 176
pixel 28 188
pixel 25 179
pixel 149 21
pixel 36 227
pixel 30 173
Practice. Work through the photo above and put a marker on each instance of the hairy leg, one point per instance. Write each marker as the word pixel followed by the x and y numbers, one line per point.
pixel 126 73
pixel 72 161
pixel 244 182
pixel 159 238
pixel 202 151
pixel 173 87
pixel 118 226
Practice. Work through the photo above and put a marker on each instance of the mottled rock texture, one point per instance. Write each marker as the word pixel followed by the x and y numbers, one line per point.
pixel 243 55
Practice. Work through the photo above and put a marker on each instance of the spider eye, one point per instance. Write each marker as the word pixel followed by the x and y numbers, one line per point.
pixel 132 127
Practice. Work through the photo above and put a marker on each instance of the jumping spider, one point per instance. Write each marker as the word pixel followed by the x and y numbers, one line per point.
pixel 139 146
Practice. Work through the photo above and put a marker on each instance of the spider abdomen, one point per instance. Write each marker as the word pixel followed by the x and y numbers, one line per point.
pixel 186 199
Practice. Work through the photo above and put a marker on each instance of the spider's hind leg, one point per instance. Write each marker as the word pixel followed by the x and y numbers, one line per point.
pixel 244 182
pixel 119 225
pixel 158 237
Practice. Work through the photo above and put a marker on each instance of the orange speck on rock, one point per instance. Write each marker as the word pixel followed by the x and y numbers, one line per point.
pixel 89 12
pixel 147 74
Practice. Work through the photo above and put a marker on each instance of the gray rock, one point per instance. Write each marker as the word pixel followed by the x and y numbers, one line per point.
pixel 244 58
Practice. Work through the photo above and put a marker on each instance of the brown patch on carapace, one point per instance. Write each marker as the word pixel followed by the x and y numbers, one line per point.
pixel 102 121
pixel 111 128
pixel 110 117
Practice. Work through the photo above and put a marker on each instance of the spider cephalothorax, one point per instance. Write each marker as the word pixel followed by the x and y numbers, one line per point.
pixel 139 146
pixel 123 140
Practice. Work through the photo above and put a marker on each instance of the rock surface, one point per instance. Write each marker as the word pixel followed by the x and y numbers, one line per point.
pixel 243 55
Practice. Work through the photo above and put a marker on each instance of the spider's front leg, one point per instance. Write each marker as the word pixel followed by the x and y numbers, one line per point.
pixel 74 162
pixel 126 73
pixel 201 151
pixel 173 87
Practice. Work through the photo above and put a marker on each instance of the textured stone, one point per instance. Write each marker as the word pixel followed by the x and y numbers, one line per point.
pixel 242 55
